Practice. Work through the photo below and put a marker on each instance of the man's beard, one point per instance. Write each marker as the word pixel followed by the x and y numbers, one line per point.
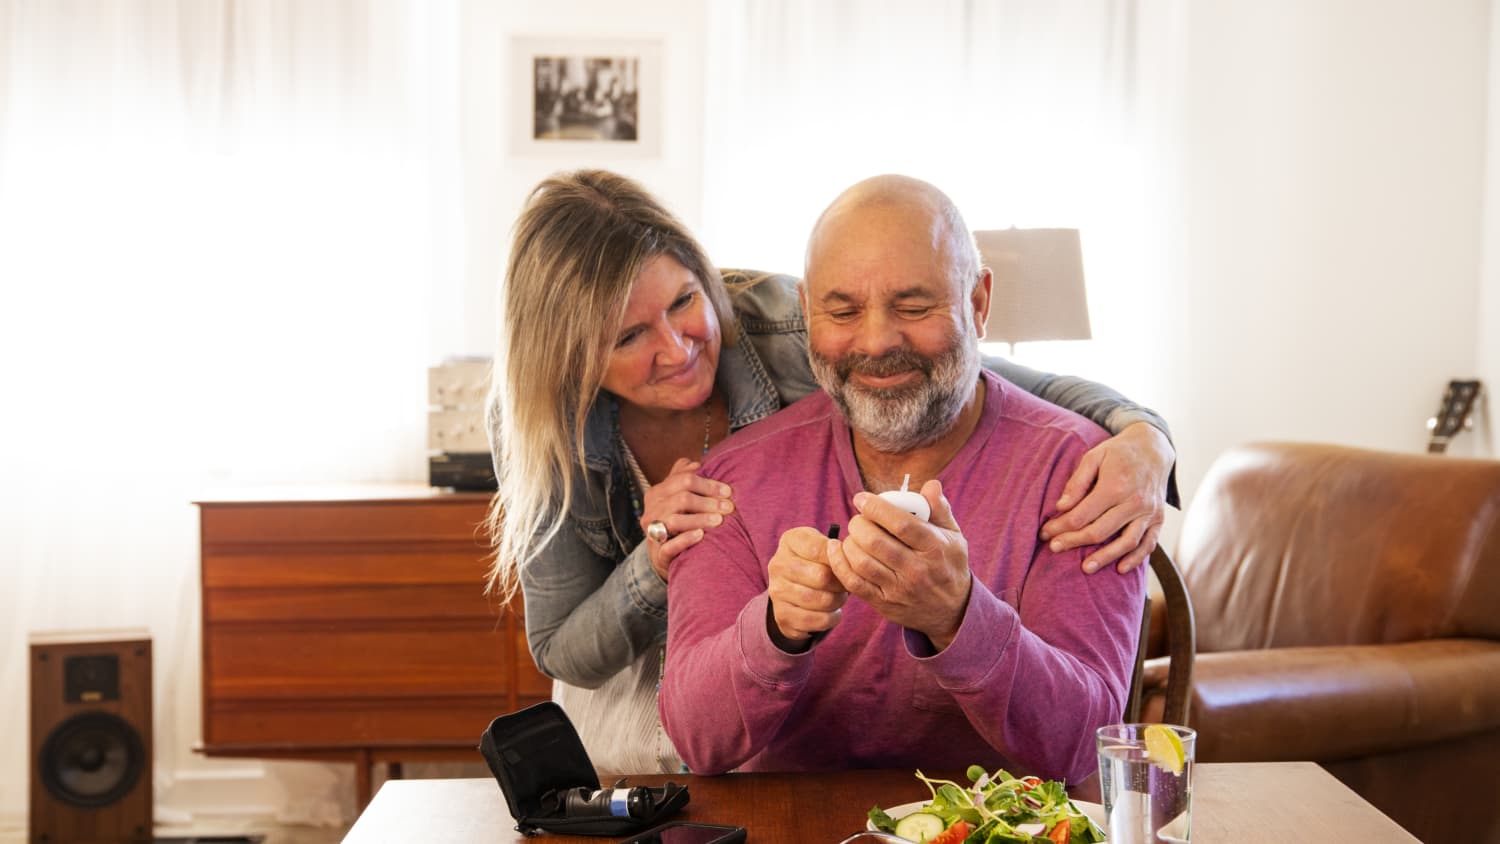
pixel 907 416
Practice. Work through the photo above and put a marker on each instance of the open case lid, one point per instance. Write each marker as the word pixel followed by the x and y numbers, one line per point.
pixel 534 751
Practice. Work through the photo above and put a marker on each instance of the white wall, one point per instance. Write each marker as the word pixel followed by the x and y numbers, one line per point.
pixel 1488 312
pixel 1334 155
pixel 496 181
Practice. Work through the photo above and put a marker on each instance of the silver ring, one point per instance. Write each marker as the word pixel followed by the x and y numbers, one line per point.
pixel 657 532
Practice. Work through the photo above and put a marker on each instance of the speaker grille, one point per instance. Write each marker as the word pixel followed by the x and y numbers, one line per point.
pixel 92 759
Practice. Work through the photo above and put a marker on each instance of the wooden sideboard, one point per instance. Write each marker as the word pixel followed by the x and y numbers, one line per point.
pixel 351 624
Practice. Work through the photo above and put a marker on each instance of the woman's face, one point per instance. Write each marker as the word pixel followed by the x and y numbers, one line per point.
pixel 667 352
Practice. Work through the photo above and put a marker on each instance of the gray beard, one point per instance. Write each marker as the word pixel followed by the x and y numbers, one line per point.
pixel 910 416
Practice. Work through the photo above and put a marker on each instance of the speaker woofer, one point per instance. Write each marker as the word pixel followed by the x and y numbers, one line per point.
pixel 92 759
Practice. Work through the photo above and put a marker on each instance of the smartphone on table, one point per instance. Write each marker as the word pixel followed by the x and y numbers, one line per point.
pixel 685 832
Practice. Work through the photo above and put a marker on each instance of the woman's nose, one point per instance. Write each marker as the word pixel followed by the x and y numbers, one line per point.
pixel 672 345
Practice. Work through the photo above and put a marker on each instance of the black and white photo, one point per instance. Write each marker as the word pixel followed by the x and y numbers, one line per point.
pixel 591 96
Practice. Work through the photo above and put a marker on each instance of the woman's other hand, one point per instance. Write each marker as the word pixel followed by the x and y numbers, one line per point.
pixel 688 504
pixel 1118 490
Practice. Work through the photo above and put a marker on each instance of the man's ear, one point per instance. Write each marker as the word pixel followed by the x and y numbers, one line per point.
pixel 802 299
pixel 980 299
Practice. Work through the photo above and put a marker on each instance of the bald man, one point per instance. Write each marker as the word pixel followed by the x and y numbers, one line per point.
pixel 933 643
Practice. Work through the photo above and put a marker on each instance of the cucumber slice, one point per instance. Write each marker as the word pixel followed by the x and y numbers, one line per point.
pixel 919 826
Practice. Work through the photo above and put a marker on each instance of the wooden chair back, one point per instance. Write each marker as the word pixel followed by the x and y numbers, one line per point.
pixel 1182 645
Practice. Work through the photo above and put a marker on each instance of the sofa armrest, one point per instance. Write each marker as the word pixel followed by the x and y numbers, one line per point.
pixel 1329 703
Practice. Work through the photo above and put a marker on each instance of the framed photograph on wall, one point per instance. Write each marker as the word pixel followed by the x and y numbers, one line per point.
pixel 593 96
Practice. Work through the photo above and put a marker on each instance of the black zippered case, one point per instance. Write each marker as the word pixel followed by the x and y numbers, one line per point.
pixel 537 757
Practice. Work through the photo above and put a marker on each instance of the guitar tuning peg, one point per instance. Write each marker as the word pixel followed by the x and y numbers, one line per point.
pixel 1468 423
pixel 1432 423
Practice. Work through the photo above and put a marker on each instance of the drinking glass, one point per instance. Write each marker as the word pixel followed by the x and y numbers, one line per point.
pixel 1144 801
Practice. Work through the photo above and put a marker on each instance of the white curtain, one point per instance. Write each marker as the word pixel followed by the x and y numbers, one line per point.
pixel 217 256
pixel 1030 113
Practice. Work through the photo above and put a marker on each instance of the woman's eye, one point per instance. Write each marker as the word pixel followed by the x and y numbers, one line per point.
pixel 626 339
pixel 682 301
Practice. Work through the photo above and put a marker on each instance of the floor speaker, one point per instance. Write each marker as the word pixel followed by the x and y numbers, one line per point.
pixel 90 738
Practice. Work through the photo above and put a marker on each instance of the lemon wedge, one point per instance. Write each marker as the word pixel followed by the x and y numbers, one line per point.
pixel 1164 748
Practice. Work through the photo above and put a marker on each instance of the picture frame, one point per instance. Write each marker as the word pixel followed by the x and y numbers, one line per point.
pixel 595 97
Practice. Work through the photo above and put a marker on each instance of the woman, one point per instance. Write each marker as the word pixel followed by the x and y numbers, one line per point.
pixel 624 356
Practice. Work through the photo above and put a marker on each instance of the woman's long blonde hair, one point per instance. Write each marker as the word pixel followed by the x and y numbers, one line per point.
pixel 580 243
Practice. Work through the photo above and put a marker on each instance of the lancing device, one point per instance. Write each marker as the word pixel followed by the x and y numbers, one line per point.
pixel 911 502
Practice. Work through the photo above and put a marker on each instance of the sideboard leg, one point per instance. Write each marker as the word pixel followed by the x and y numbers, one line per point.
pixel 362 765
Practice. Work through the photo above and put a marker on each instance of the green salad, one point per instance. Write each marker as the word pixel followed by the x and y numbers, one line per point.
pixel 996 809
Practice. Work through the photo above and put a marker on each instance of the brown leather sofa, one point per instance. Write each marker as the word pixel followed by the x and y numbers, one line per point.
pixel 1348 608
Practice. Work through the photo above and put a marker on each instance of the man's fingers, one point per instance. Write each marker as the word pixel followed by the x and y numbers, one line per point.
pixel 942 511
pixel 857 571
pixel 1082 479
pixel 806 543
pixel 886 518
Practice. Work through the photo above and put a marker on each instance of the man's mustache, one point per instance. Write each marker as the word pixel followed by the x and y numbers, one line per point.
pixel 893 362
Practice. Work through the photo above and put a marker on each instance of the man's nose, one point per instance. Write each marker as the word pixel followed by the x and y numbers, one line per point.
pixel 877 334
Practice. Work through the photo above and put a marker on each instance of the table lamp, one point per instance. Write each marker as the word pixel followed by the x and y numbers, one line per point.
pixel 1038 289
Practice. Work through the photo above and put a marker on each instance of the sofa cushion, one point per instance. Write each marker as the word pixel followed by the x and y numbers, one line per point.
pixel 1330 703
pixel 1296 544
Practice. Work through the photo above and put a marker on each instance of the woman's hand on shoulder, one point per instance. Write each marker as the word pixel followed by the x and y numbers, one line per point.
pixel 688 504
pixel 1118 490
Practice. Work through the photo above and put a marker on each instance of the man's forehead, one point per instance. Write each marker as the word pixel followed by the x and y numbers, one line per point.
pixel 859 290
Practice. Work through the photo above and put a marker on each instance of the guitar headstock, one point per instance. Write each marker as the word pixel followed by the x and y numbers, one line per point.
pixel 1456 414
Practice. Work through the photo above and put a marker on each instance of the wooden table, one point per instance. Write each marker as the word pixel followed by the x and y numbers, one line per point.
pixel 1239 803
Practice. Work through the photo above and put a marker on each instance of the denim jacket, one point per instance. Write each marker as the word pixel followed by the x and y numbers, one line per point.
pixel 593 603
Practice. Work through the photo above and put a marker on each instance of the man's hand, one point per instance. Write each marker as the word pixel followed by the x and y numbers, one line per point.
pixel 805 596
pixel 1125 478
pixel 914 573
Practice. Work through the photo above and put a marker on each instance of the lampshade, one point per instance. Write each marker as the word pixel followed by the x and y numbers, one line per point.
pixel 1038 289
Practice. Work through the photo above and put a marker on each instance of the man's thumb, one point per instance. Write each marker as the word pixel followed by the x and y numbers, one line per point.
pixel 942 514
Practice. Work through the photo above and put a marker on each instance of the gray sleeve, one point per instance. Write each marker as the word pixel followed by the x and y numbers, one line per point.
pixel 1105 407
pixel 588 617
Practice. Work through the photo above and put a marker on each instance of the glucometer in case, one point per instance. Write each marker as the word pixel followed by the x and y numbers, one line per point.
pixel 550 784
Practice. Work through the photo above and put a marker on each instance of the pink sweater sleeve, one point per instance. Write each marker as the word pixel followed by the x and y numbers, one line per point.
pixel 727 689
pixel 1036 684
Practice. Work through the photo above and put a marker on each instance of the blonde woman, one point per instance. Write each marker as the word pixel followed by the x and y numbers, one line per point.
pixel 624 356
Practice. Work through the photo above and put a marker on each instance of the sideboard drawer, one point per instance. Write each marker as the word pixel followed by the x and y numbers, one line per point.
pixel 354 622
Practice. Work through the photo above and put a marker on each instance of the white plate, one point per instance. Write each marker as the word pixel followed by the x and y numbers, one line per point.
pixel 1094 810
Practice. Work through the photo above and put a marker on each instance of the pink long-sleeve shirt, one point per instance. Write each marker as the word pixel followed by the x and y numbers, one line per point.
pixel 1042 657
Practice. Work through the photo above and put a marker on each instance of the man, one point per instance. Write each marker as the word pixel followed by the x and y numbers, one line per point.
pixel 907 643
